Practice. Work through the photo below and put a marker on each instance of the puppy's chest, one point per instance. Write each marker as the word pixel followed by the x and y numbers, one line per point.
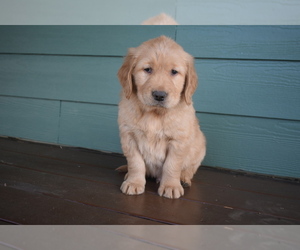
pixel 152 141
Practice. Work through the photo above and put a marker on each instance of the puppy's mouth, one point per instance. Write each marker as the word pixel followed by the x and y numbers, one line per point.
pixel 158 104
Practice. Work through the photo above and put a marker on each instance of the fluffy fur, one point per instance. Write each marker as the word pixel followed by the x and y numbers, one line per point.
pixel 161 19
pixel 160 138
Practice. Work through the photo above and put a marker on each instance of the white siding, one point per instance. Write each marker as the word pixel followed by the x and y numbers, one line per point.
pixel 132 12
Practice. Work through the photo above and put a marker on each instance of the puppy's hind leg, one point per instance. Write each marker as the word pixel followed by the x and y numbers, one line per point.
pixel 186 177
pixel 123 169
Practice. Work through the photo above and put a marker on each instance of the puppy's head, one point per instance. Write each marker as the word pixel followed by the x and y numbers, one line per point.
pixel 159 72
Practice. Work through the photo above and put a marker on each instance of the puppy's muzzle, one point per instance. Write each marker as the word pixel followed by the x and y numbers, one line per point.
pixel 159 96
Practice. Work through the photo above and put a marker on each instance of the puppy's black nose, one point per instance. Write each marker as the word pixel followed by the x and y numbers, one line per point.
pixel 159 95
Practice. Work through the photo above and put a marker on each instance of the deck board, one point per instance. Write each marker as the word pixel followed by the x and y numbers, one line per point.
pixel 48 184
pixel 40 209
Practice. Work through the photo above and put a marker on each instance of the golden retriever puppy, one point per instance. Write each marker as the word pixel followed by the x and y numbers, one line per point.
pixel 159 131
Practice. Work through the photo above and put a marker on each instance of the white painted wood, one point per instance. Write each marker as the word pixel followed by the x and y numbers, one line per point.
pixel 87 12
pixel 150 237
pixel 129 12
pixel 237 12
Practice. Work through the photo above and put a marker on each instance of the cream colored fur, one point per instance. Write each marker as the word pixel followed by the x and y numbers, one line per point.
pixel 159 139
pixel 162 19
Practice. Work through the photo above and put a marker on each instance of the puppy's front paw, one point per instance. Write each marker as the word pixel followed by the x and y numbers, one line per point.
pixel 132 188
pixel 171 191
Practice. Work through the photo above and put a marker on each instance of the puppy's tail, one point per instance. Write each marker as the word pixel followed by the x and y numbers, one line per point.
pixel 122 169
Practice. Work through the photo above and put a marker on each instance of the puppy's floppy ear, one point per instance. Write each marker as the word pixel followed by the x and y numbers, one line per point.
pixel 191 80
pixel 125 73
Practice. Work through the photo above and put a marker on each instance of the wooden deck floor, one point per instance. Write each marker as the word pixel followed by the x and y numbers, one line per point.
pixel 46 184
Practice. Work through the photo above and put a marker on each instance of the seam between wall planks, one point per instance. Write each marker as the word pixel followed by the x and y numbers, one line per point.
pixel 116 105
pixel 29 118
pixel 246 59
pixel 51 99
pixel 134 36
pixel 248 116
pixel 122 56
pixel 175 35
pixel 176 10
pixel 109 104
pixel 59 121
pixel 66 55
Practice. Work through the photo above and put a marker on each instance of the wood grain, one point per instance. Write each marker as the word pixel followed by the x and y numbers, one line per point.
pixel 89 125
pixel 43 180
pixel 113 40
pixel 113 12
pixel 237 87
pixel 58 84
pixel 235 12
pixel 55 211
pixel 268 89
pixel 213 194
pixel 233 142
pixel 241 42
pixel 29 118
pixel 248 144
pixel 238 42
pixel 83 79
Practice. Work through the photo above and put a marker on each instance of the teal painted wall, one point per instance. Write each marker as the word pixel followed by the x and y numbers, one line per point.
pixel 58 84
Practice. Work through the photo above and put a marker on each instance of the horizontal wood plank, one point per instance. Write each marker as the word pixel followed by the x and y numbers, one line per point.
pixel 29 118
pixel 241 42
pixel 90 12
pixel 75 155
pixel 90 125
pixel 83 79
pixel 87 161
pixel 90 237
pixel 112 40
pixel 284 206
pixel 244 71
pixel 249 143
pixel 233 142
pixel 248 88
pixel 186 12
pixel 143 237
pixel 43 209
pixel 99 195
pixel 236 12
pixel 255 183
pixel 42 178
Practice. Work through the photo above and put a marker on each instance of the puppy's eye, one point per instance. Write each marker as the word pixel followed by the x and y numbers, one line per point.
pixel 148 70
pixel 174 72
